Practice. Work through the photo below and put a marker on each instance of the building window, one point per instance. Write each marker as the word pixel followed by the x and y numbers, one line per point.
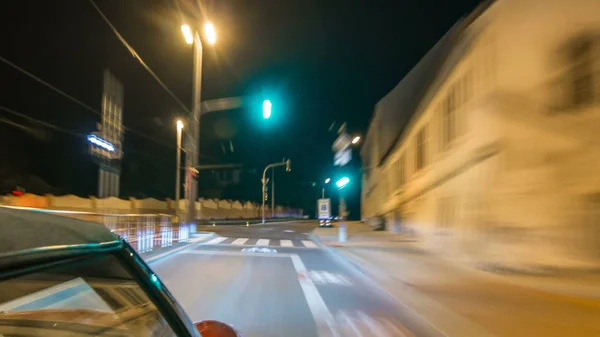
pixel 401 171
pixel 448 117
pixel 581 71
pixel 468 91
pixel 420 149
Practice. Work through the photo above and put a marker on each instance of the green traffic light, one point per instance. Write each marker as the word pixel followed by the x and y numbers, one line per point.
pixel 342 182
pixel 267 109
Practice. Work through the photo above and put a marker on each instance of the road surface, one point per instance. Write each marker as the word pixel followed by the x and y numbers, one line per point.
pixel 273 280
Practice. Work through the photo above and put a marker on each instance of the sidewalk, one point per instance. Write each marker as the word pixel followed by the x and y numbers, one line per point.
pixel 464 301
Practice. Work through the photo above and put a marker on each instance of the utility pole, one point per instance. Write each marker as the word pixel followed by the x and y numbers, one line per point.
pixel 288 168
pixel 193 140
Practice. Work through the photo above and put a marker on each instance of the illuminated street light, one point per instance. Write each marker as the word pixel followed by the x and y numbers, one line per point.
pixel 342 182
pixel 187 34
pixel 327 180
pixel 179 124
pixel 267 109
pixel 191 159
pixel 356 140
pixel 210 33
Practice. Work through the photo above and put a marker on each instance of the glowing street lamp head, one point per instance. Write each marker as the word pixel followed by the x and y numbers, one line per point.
pixel 267 109
pixel 356 140
pixel 327 180
pixel 210 33
pixel 179 124
pixel 187 34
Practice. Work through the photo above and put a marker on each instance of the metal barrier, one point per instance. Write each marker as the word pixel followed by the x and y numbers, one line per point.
pixel 143 232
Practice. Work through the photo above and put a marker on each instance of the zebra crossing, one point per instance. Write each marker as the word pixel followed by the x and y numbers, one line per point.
pixel 287 243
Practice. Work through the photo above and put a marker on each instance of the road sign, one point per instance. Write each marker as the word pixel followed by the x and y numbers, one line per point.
pixel 341 142
pixel 341 147
pixel 343 157
pixel 324 208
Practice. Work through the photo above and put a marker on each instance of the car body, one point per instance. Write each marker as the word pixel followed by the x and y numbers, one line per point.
pixel 62 276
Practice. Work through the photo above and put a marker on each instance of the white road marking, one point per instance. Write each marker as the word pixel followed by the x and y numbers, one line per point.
pixel 359 324
pixel 262 242
pixel 217 240
pixel 321 314
pixel 288 231
pixel 239 242
pixel 309 244
pixel 324 277
pixel 260 250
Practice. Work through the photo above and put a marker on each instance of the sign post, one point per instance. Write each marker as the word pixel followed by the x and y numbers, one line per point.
pixel 324 209
pixel 342 156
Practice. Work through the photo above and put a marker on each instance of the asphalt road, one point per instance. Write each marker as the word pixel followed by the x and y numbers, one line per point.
pixel 293 287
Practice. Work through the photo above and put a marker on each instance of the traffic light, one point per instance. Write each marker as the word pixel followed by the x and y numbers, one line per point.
pixel 342 182
pixel 266 107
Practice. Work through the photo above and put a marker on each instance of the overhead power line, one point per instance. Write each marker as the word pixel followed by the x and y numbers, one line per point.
pixel 134 131
pixel 137 56
pixel 46 124
pixel 49 85
pixel 58 128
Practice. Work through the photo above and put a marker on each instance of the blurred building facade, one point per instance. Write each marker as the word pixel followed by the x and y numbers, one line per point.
pixel 489 148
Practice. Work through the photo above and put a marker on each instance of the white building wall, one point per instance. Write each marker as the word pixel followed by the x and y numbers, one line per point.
pixel 519 183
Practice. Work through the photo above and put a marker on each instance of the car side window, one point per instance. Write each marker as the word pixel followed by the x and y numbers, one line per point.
pixel 92 296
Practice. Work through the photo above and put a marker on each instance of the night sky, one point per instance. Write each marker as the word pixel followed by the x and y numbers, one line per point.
pixel 318 61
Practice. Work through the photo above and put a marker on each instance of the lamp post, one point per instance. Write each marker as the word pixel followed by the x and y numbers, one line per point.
pixel 178 166
pixel 193 140
pixel 323 188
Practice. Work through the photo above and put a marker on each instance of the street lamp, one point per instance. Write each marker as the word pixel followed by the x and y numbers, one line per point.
pixel 210 33
pixel 193 140
pixel 187 34
pixel 178 166
pixel 355 139
pixel 323 188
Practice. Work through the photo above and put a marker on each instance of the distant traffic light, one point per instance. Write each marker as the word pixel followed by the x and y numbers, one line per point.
pixel 267 105
pixel 342 182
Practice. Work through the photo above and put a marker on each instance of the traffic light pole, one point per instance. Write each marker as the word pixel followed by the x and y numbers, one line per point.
pixel 288 168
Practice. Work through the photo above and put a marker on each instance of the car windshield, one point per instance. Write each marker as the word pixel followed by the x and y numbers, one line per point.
pixel 91 296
